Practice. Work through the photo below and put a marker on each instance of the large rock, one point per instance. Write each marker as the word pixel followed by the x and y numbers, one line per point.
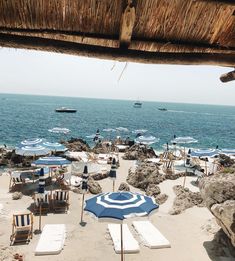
pixel 153 190
pixel 185 199
pixel 76 144
pixel 94 187
pixel 225 160
pixel 218 192
pixel 124 187
pixel 145 174
pixel 161 198
pixel 139 152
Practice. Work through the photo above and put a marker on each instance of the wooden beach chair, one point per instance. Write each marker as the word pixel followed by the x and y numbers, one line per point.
pixel 60 202
pixel 22 228
pixel 44 200
pixel 16 179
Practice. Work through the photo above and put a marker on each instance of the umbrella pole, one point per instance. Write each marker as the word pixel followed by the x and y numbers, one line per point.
pixel 113 185
pixel 83 196
pixel 122 252
pixel 40 216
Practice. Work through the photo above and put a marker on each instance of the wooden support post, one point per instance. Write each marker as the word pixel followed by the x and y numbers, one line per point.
pixel 83 196
pixel 122 251
pixel 40 217
pixel 228 77
pixel 127 23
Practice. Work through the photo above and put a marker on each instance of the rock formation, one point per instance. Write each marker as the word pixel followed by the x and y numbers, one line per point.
pixel 124 187
pixel 93 186
pixel 218 192
pixel 225 161
pixel 76 144
pixel 139 152
pixel 185 199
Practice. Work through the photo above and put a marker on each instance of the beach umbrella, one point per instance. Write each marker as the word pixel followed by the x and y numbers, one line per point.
pixel 146 140
pixel 122 129
pixel 85 177
pixel 112 172
pixel 59 130
pixel 30 150
pixel 54 146
pixel 204 153
pixel 183 140
pixel 227 151
pixel 41 192
pixel 140 131
pixel 109 130
pixel 117 206
pixel 31 142
pixel 51 161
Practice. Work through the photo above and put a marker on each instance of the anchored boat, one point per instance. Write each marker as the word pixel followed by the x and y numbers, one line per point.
pixel 64 109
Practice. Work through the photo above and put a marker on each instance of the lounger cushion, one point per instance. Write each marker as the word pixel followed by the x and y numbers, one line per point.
pixel 130 245
pixel 150 235
pixel 52 240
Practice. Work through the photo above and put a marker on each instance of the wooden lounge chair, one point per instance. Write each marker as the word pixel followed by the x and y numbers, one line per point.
pixel 44 200
pixel 60 200
pixel 22 228
pixel 16 179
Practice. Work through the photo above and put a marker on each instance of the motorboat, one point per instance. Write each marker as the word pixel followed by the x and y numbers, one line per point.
pixel 137 104
pixel 162 109
pixel 64 109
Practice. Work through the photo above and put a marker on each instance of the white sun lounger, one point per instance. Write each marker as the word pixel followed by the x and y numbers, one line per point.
pixel 150 235
pixel 52 240
pixel 130 245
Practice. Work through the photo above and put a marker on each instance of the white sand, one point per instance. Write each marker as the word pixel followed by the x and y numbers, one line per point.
pixel 92 242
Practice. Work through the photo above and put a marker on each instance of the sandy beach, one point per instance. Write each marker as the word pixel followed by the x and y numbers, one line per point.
pixel 189 239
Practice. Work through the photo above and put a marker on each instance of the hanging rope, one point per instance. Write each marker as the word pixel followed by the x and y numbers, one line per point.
pixel 123 71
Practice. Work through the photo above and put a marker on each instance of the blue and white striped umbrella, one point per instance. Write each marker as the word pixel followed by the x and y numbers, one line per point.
pixel 147 140
pixel 141 131
pixel 36 150
pixel 31 142
pixel 184 140
pixel 85 176
pixel 228 151
pixel 123 129
pixel 120 205
pixel 54 146
pixel 204 153
pixel 41 187
pixel 51 161
pixel 59 130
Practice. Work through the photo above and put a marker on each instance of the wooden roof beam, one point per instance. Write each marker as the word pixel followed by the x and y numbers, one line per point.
pixel 127 23
pixel 228 77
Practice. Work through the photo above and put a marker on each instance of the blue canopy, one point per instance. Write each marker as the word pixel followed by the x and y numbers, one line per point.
pixel 51 161
pixel 36 150
pixel 204 152
pixel 120 205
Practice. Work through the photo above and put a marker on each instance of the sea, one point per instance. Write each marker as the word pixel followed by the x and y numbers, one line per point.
pixel 27 116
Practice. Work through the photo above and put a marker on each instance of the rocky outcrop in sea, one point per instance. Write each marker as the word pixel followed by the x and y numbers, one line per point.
pixel 218 193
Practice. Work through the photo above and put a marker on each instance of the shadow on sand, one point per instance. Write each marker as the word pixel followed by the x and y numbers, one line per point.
pixel 220 248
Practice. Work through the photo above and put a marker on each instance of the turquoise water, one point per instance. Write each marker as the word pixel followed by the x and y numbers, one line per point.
pixel 27 116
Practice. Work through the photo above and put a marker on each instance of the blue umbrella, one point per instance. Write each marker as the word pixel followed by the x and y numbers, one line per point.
pixel 112 172
pixel 59 130
pixel 119 206
pixel 204 153
pixel 51 161
pixel 54 146
pixel 36 150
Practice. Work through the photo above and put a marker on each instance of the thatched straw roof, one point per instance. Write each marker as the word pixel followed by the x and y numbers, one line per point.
pixel 148 31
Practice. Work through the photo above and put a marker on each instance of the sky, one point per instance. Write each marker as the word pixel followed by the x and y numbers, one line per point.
pixel 44 73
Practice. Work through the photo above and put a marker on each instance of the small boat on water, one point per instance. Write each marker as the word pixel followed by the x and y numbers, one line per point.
pixel 137 104
pixel 162 109
pixel 64 109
